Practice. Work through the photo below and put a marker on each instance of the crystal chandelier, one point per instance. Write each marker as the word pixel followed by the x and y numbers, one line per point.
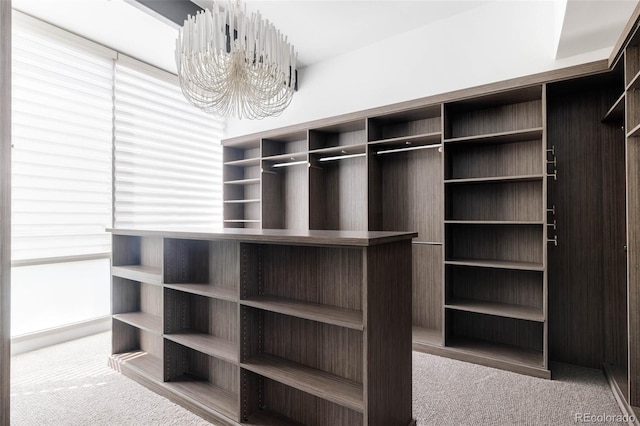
pixel 231 64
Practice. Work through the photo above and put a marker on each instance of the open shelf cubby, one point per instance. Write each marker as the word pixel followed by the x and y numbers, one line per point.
pixel 341 135
pixel 311 367
pixel 504 339
pixel 135 350
pixel 137 304
pixel 285 145
pixel 205 324
pixel 418 122
pixel 515 244
pixel 339 200
pixel 492 291
pixel 203 379
pixel 242 195
pixel 339 302
pixel 496 113
pixel 137 258
pixel 285 192
pixel 241 187
pixel 201 267
pixel 500 158
pixel 519 200
pixel 273 403
pixel 406 193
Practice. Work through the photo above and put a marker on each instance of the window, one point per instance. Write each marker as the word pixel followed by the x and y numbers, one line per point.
pixel 168 157
pixel 75 105
pixel 61 177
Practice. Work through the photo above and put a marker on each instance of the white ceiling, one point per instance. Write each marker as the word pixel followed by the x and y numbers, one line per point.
pixel 318 29
pixel 322 29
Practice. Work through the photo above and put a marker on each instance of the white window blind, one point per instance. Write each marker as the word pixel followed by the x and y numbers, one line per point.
pixel 168 158
pixel 62 135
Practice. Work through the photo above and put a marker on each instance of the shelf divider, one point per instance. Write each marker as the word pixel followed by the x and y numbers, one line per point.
pixel 342 317
pixel 500 137
pixel 499 264
pixel 207 290
pixel 499 309
pixel 206 343
pixel 141 320
pixel 140 273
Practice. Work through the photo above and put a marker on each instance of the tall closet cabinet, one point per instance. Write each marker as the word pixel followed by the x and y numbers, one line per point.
pixel 525 196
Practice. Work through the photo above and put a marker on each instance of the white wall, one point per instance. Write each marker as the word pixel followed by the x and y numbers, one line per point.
pixel 494 42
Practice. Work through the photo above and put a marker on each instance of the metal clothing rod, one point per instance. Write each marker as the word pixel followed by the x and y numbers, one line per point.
pixel 342 157
pixel 411 148
pixel 293 163
pixel 427 243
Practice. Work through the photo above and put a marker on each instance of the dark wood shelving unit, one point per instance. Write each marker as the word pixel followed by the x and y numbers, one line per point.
pixel 495 219
pixel 246 328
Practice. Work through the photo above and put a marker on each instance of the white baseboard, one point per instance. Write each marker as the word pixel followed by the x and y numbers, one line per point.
pixel 53 336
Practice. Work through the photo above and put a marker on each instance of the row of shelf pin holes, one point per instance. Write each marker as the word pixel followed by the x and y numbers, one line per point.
pixel 552 210
pixel 553 224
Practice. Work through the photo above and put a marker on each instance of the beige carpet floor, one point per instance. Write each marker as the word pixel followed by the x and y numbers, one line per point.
pixel 70 384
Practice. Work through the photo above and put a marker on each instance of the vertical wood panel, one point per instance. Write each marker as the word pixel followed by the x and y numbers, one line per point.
pixel 633 241
pixel 388 337
pixel 614 256
pixel 579 273
pixel 5 212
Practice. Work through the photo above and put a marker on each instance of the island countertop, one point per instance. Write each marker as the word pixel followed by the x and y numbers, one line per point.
pixel 275 236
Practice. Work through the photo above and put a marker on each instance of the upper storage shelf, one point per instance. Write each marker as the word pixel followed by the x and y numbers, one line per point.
pixel 498 115
pixel 406 125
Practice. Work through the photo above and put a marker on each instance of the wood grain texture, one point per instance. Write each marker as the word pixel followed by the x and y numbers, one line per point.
pixel 305 408
pixel 512 287
pixel 340 195
pixel 518 110
pixel 484 160
pixel 128 338
pixel 5 212
pixel 331 276
pixel 285 144
pixel 411 192
pixel 279 236
pixel 286 198
pixel 387 369
pixel 406 123
pixel 579 275
pixel 631 64
pixel 190 313
pixel 427 297
pixel 499 201
pixel 327 348
pixel 141 368
pixel 614 237
pixel 341 135
pixel 520 334
pixel 517 243
pixel 212 264
pixel 316 382
pixel 209 381
pixel 633 258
